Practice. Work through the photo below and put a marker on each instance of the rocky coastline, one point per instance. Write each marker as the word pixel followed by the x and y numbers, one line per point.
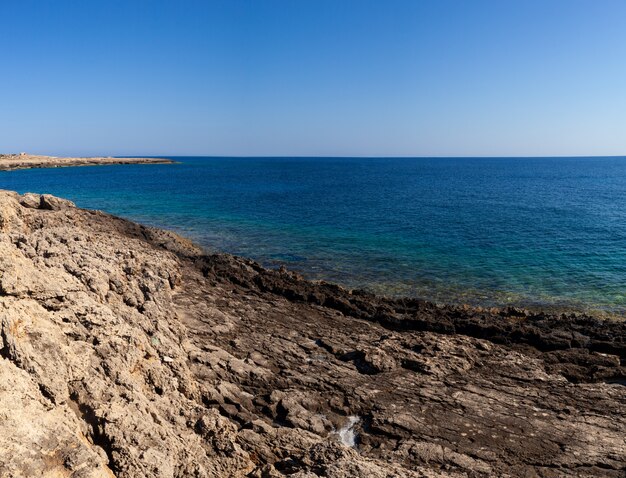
pixel 128 351
pixel 9 162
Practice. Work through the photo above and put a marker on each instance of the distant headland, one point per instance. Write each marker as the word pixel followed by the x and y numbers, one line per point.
pixel 28 161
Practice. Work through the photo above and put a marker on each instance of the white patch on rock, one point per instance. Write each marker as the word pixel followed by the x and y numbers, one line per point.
pixel 347 434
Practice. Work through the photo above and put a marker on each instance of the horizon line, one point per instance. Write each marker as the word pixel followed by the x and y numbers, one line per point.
pixel 368 156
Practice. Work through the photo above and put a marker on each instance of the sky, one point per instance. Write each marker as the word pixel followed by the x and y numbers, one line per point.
pixel 313 77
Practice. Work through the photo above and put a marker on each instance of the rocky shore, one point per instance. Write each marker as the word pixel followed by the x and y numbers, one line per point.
pixel 29 161
pixel 127 351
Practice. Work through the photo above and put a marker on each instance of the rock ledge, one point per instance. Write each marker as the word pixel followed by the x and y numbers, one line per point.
pixel 126 351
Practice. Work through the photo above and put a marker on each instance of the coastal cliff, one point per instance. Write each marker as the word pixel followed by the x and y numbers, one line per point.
pixel 128 351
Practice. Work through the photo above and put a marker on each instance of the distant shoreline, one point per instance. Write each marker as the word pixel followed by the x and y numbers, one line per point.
pixel 10 162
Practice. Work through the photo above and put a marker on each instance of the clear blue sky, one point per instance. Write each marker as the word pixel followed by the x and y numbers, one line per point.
pixel 313 77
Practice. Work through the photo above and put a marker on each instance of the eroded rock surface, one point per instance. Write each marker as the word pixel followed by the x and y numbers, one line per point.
pixel 126 351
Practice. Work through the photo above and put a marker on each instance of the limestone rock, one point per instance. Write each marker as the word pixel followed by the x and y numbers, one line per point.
pixel 126 351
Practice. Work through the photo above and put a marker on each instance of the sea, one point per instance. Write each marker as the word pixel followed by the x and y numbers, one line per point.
pixel 530 232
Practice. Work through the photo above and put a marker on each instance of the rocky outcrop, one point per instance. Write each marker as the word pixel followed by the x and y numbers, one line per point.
pixel 126 351
pixel 29 161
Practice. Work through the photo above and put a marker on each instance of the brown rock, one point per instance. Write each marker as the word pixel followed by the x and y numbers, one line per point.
pixel 125 351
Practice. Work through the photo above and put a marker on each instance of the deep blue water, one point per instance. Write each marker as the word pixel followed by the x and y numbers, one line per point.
pixel 527 231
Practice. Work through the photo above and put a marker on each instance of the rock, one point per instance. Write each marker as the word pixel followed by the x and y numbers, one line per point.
pixel 30 200
pixel 38 439
pixel 126 351
pixel 52 203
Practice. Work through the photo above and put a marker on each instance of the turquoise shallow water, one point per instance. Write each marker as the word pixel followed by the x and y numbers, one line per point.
pixel 492 231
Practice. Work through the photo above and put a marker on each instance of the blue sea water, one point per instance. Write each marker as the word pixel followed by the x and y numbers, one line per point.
pixel 547 232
